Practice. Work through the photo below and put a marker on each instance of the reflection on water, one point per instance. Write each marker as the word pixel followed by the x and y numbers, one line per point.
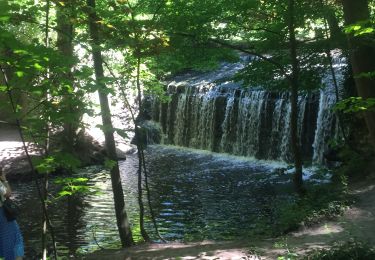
pixel 209 196
pixel 195 195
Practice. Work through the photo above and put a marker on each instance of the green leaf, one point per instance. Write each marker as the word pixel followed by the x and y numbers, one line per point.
pixel 65 193
pixel 19 74
pixel 67 160
pixel 368 75
pixel 365 31
pixel 109 164
pixel 38 66
pixel 352 28
pixel 69 88
pixel 355 104
pixel 4 18
pixel 20 52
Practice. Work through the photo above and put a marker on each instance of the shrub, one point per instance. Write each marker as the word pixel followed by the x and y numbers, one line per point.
pixel 352 250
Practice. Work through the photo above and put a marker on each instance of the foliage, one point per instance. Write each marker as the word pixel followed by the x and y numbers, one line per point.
pixel 146 42
pixel 355 160
pixel 341 251
pixel 109 164
pixel 320 202
pixel 55 162
pixel 184 55
pixel 289 253
pixel 363 28
pixel 71 186
pixel 355 104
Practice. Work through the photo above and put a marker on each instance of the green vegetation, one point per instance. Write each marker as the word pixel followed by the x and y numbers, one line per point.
pixel 342 251
pixel 321 202
pixel 55 55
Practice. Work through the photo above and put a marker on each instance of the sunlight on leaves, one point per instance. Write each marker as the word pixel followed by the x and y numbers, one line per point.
pixel 355 104
pixel 19 74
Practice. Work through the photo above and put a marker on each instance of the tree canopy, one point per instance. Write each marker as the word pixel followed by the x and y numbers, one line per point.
pixel 55 54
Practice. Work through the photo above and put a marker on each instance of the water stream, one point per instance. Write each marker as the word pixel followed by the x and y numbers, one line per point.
pixel 196 195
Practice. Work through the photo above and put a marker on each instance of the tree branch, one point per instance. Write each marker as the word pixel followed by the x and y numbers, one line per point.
pixel 242 49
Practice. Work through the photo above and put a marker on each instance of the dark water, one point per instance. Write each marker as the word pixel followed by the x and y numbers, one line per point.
pixel 196 196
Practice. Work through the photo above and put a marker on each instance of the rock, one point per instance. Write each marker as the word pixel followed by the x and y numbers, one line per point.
pixel 14 162
pixel 18 168
pixel 149 132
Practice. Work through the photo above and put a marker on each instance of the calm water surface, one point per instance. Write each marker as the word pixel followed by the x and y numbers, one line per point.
pixel 196 195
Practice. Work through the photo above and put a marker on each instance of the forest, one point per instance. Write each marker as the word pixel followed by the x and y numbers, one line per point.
pixel 195 129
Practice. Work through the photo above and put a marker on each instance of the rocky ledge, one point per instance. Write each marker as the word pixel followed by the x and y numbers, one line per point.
pixel 15 164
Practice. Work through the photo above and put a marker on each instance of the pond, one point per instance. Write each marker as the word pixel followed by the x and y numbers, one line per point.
pixel 196 195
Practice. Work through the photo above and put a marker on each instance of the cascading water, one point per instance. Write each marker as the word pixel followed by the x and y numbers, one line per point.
pixel 327 122
pixel 209 111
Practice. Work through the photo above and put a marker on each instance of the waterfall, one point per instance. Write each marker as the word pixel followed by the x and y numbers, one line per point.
pixel 209 111
pixel 328 123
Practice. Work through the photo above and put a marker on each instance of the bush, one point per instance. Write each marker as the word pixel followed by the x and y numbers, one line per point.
pixel 320 203
pixel 352 250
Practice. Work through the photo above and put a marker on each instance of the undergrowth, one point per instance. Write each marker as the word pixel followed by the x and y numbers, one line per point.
pixel 321 202
pixel 352 250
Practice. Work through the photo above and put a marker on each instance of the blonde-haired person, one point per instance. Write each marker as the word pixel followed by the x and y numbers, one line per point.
pixel 11 241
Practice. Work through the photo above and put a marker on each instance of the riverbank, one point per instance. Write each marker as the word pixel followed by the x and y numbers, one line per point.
pixel 357 223
pixel 14 162
pixel 13 158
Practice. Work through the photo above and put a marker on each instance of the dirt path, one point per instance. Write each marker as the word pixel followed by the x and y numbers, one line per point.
pixel 358 222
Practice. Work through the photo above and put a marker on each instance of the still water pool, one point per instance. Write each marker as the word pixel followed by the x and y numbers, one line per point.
pixel 195 195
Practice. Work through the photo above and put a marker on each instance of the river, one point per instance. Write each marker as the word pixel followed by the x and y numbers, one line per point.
pixel 196 195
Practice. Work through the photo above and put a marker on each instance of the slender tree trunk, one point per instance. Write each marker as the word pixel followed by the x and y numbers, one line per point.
pixel 140 158
pixel 362 57
pixel 121 216
pixel 140 196
pixel 44 220
pixel 336 34
pixel 148 193
pixel 65 33
pixel 294 79
pixel 46 150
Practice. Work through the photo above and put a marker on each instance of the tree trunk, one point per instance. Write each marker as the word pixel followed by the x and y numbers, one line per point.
pixel 140 158
pixel 294 78
pixel 46 149
pixel 140 197
pixel 362 57
pixel 337 36
pixel 121 216
pixel 65 33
